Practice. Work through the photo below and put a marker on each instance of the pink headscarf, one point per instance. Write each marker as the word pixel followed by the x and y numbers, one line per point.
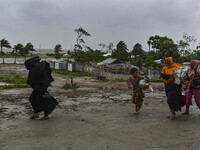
pixel 194 64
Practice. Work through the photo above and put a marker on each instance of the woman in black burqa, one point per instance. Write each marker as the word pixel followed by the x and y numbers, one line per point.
pixel 39 78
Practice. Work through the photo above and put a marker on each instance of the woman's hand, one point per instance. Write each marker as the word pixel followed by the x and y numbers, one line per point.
pixel 172 75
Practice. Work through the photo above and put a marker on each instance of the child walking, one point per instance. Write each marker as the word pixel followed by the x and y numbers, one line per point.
pixel 138 95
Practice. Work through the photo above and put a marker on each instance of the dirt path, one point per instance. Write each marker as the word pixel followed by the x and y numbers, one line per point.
pixel 94 118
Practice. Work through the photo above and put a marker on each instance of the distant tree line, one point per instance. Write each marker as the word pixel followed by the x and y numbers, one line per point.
pixel 159 48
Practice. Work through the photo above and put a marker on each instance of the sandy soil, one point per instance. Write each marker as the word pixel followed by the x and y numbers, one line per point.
pixel 97 116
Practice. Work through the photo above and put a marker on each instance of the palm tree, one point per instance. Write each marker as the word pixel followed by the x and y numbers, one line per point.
pixel 27 48
pixel 16 49
pixel 149 44
pixel 4 43
pixel 137 50
pixel 121 51
pixel 57 50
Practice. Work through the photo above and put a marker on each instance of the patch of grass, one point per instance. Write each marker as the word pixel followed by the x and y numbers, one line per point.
pixel 120 80
pixel 13 86
pixel 115 80
pixel 68 73
pixel 7 65
pixel 68 86
pixel 72 94
pixel 100 87
pixel 15 80
pixel 156 80
pixel 11 56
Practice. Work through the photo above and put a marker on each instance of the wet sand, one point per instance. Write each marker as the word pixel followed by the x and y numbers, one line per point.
pixel 94 118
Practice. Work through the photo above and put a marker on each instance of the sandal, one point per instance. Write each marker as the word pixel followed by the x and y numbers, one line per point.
pixel 34 116
pixel 172 116
pixel 44 118
pixel 185 113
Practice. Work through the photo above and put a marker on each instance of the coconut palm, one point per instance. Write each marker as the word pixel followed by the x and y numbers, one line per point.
pixel 16 49
pixel 6 44
pixel 57 50
pixel 27 48
pixel 137 50
pixel 121 51
pixel 149 44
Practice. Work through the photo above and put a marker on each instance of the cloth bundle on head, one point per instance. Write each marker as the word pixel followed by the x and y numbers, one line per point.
pixel 30 62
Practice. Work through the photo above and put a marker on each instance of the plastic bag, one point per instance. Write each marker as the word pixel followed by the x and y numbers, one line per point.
pixel 179 75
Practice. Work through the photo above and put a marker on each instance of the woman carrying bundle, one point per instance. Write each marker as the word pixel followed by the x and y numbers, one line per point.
pixel 173 91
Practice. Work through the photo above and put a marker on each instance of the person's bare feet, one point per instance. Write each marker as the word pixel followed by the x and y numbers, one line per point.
pixel 34 116
pixel 44 118
pixel 135 113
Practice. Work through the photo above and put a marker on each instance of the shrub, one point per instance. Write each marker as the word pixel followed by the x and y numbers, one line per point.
pixel 70 86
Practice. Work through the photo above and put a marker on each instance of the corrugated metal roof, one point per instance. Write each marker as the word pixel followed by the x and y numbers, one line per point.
pixel 108 61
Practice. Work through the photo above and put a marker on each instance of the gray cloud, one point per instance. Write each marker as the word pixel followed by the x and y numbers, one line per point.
pixel 51 22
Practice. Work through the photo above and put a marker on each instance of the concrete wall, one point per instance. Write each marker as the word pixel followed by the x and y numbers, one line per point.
pixel 75 67
pixel 61 65
pixel 101 74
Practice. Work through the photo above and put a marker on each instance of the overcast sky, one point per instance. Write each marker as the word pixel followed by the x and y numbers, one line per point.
pixel 52 22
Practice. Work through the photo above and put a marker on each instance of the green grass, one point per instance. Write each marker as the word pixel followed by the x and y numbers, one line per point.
pixel 11 56
pixel 156 80
pixel 15 80
pixel 68 73
pixel 120 80
pixel 6 65
pixel 68 86
pixel 13 86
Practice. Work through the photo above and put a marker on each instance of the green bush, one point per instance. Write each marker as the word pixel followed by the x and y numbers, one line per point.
pixel 70 86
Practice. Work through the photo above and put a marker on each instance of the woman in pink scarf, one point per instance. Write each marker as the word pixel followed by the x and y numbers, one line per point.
pixel 193 88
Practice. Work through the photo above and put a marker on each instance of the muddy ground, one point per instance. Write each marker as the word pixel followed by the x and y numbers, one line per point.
pixel 97 116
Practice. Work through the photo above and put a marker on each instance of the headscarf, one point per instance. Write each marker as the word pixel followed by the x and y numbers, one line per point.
pixel 168 61
pixel 31 62
pixel 133 70
pixel 169 68
pixel 191 72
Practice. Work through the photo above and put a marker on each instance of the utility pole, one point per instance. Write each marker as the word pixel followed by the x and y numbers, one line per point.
pixel 39 49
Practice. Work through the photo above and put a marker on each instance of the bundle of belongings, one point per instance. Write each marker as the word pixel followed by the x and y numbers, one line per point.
pixel 179 75
pixel 143 83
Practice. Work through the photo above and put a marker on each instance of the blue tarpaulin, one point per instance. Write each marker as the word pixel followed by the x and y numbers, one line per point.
pixel 117 64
